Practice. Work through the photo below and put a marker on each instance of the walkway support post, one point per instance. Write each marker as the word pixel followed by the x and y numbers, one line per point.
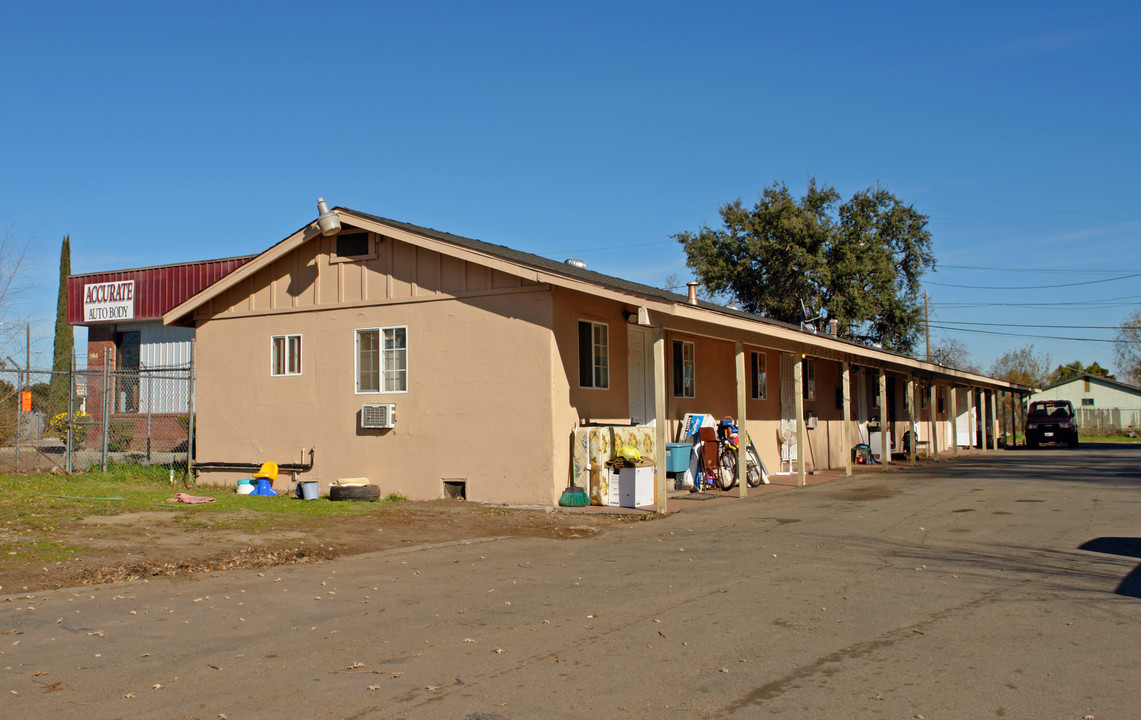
pixel 953 392
pixel 971 413
pixel 885 456
pixel 846 394
pixel 981 414
pixel 1013 421
pixel 933 418
pixel 913 450
pixel 742 442
pixel 798 403
pixel 994 417
pixel 660 419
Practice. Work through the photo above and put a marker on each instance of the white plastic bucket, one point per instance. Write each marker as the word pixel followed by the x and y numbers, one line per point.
pixel 309 489
pixel 245 487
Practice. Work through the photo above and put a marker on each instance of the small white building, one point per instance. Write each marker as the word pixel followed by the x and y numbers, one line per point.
pixel 1100 404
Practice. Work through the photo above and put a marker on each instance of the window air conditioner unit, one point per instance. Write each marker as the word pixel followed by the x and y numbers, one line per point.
pixel 378 415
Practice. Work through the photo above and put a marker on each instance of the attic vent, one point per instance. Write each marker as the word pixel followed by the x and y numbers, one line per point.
pixel 575 262
pixel 352 244
pixel 378 415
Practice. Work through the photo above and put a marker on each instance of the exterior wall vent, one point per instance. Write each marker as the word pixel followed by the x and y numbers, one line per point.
pixel 378 416
pixel 455 488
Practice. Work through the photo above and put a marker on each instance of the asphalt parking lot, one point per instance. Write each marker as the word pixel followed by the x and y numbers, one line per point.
pixel 999 585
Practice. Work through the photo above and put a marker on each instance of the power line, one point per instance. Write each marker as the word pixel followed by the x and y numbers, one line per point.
pixel 1026 335
pixel 1033 287
pixel 1023 269
pixel 1064 327
pixel 1041 306
pixel 1015 223
pixel 1104 302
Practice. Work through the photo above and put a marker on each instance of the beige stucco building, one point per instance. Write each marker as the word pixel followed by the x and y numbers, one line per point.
pixel 491 357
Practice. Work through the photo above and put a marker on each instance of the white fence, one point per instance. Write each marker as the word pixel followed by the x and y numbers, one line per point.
pixel 1102 420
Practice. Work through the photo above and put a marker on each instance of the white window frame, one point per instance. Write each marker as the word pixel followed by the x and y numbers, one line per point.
pixel 288 354
pixel 691 390
pixel 382 387
pixel 760 389
pixel 596 383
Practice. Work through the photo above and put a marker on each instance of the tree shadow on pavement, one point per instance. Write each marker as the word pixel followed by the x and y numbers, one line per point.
pixel 1130 586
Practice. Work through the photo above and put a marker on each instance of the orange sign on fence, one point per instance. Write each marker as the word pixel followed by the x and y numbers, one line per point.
pixel 26 400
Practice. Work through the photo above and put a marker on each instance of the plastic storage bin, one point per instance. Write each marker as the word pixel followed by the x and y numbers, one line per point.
pixel 677 457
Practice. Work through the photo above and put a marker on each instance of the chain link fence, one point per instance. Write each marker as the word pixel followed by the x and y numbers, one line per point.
pixel 83 418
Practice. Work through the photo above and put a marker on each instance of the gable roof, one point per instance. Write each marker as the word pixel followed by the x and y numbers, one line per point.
pixel 1098 378
pixel 157 288
pixel 545 270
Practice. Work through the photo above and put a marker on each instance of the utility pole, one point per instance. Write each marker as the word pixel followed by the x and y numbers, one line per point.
pixel 927 324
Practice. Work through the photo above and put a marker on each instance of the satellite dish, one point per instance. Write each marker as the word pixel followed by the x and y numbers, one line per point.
pixel 786 434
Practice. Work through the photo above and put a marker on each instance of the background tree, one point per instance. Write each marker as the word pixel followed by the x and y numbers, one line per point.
pixel 858 263
pixel 1128 348
pixel 1022 366
pixel 64 338
pixel 13 252
pixel 770 258
pixel 1074 369
pixel 875 260
pixel 12 286
pixel 953 354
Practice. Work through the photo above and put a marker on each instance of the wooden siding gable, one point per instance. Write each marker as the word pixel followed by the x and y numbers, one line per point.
pixel 310 276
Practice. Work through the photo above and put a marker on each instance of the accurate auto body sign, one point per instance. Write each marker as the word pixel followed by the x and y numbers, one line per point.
pixel 107 302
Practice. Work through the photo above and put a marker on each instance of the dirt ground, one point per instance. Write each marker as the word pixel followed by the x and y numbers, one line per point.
pixel 145 544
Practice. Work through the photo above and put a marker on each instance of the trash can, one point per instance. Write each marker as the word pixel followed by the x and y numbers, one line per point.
pixel 308 489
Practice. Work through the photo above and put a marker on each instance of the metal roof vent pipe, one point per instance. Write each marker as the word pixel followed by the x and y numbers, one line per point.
pixel 692 299
pixel 327 220
pixel 575 262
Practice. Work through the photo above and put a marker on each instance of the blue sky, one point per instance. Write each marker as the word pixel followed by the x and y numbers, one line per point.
pixel 161 132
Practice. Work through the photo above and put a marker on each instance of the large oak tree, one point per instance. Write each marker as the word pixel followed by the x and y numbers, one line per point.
pixel 858 263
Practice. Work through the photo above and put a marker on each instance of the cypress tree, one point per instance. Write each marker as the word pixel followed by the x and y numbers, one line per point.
pixel 64 337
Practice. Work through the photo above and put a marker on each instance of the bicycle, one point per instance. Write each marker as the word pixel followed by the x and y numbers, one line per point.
pixel 728 439
pixel 723 475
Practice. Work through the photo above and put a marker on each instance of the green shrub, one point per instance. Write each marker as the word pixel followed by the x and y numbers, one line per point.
pixel 119 434
pixel 58 426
